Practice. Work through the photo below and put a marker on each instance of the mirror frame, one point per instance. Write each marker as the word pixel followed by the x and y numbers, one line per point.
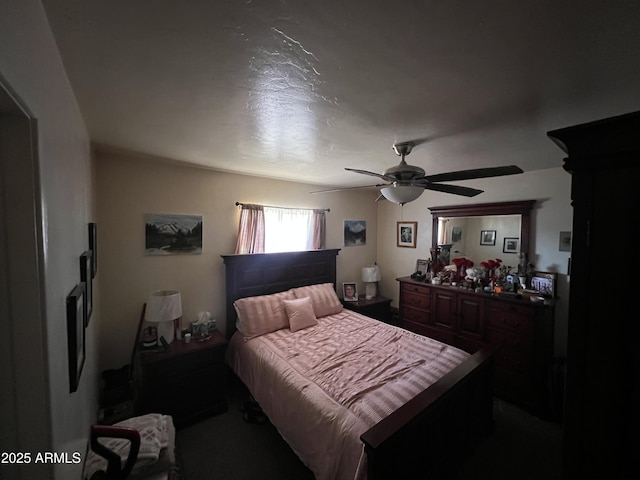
pixel 522 207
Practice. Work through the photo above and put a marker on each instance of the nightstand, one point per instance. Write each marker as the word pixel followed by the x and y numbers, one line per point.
pixel 378 307
pixel 188 382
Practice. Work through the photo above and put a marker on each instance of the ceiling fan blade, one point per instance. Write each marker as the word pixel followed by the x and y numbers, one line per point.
pixel 455 189
pixel 474 173
pixel 379 175
pixel 349 188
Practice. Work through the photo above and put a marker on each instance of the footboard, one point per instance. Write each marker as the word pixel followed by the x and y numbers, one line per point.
pixel 430 434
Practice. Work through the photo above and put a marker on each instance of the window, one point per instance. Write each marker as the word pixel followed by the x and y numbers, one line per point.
pixel 287 229
pixel 273 229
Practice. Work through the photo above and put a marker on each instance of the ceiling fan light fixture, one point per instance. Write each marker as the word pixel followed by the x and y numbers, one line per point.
pixel 401 194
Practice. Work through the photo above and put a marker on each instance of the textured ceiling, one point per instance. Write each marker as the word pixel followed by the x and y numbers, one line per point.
pixel 301 89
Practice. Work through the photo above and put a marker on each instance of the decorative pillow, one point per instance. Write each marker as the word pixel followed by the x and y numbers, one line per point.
pixel 323 297
pixel 262 314
pixel 300 313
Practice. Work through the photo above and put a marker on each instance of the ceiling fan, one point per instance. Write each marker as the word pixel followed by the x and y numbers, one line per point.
pixel 407 182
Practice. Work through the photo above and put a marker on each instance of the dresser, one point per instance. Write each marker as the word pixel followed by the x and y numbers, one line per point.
pixel 187 382
pixel 521 332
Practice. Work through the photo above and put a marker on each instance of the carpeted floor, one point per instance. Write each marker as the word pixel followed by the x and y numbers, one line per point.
pixel 225 447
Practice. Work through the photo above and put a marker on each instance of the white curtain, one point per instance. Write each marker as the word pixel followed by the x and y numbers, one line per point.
pixel 286 229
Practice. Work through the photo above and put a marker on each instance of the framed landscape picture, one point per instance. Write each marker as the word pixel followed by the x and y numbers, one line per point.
pixel 170 234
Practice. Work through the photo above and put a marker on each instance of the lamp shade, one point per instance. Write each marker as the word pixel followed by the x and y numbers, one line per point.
pixel 401 194
pixel 371 274
pixel 164 307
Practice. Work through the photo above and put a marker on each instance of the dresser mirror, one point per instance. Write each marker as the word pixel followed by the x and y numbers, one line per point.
pixel 482 231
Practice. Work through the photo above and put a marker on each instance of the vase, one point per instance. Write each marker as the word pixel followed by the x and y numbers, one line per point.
pixel 523 281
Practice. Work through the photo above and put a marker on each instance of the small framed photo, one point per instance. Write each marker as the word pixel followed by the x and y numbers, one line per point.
pixel 544 282
pixel 565 242
pixel 422 266
pixel 511 245
pixel 350 291
pixel 456 234
pixel 406 233
pixel 75 335
pixel 93 246
pixel 87 279
pixel 487 237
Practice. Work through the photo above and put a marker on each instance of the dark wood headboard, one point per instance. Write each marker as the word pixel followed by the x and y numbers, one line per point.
pixel 249 275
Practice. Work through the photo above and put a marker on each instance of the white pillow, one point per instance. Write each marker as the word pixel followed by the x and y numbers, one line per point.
pixel 300 313
pixel 262 314
pixel 323 297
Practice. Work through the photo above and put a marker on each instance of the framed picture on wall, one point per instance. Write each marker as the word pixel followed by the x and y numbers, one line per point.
pixel 75 335
pixel 87 279
pixel 172 234
pixel 406 233
pixel 511 245
pixel 456 234
pixel 487 237
pixel 93 246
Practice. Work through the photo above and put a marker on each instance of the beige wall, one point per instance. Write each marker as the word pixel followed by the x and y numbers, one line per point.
pixel 55 420
pixel 130 186
pixel 552 214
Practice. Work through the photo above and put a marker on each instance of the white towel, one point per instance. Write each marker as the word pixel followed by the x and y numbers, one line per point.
pixel 153 429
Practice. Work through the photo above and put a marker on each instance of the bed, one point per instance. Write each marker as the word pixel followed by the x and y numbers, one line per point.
pixel 325 396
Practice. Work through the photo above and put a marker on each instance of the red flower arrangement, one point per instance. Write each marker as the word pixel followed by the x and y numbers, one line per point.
pixel 491 265
pixel 462 264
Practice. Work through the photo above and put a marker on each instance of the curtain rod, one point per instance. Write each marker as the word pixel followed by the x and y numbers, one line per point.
pixel 239 204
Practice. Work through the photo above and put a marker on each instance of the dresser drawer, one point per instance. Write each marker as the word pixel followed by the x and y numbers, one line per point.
pixel 416 300
pixel 415 288
pixel 514 318
pixel 415 315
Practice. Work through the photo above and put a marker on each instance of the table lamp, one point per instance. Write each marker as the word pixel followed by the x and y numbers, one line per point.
pixel 164 308
pixel 371 276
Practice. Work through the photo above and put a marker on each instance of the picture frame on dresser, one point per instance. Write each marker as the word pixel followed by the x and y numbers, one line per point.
pixel 350 291
pixel 422 265
pixel 544 283
pixel 75 334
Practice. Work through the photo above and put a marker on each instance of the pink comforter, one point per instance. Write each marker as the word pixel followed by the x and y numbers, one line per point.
pixel 324 386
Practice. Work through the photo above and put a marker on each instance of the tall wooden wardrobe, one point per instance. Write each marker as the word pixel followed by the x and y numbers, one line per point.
pixel 602 401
